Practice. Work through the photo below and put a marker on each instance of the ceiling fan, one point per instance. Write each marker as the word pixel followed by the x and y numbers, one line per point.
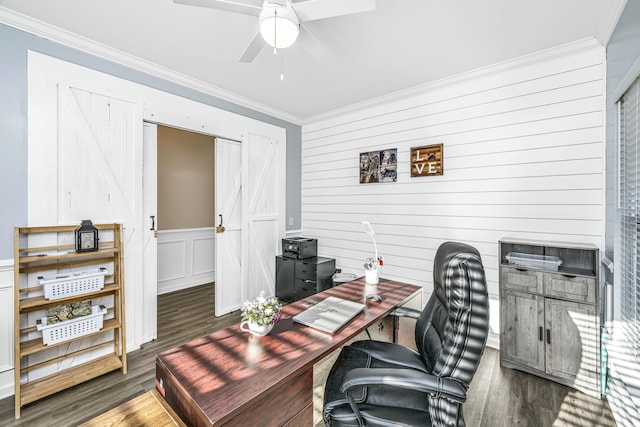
pixel 280 21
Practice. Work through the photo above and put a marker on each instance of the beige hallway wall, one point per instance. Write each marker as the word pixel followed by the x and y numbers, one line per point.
pixel 185 179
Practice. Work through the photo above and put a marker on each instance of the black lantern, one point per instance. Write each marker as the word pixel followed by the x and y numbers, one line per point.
pixel 86 237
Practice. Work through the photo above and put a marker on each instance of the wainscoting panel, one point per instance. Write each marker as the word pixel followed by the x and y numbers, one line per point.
pixel 6 328
pixel 203 254
pixel 172 259
pixel 185 258
pixel 523 157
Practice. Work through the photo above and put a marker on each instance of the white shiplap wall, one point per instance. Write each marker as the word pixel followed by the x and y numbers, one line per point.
pixel 523 157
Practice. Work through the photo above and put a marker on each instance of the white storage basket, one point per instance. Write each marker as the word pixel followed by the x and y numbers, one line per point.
pixel 71 284
pixel 544 262
pixel 74 328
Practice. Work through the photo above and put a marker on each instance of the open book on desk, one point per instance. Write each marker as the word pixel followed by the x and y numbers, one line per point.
pixel 330 314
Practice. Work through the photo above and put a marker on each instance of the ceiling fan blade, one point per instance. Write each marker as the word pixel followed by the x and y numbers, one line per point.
pixel 253 49
pixel 312 44
pixel 311 10
pixel 247 7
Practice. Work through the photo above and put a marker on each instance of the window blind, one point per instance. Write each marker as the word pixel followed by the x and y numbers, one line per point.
pixel 628 258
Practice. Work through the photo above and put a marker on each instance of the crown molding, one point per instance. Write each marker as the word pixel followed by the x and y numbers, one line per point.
pixel 510 64
pixel 610 16
pixel 627 81
pixel 75 41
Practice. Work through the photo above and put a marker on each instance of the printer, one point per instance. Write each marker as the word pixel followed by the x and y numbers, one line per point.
pixel 299 248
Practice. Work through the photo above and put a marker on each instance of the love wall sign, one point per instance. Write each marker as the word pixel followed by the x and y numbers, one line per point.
pixel 427 160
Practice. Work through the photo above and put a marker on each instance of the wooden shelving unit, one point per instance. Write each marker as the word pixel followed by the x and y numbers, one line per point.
pixel 58 255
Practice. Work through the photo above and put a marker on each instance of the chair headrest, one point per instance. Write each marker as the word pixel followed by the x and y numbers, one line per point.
pixel 445 253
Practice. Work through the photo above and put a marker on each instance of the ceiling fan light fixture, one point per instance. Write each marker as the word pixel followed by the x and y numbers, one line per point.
pixel 279 25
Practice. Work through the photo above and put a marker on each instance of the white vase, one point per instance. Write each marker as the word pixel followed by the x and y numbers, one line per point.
pixel 255 329
pixel 371 277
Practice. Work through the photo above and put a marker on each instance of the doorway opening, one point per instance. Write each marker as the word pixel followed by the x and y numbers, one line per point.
pixel 185 211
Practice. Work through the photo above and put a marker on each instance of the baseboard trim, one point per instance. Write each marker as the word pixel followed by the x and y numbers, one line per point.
pixel 493 340
pixel 6 384
pixel 180 286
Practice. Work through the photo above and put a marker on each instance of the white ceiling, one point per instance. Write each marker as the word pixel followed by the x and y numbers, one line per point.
pixel 402 44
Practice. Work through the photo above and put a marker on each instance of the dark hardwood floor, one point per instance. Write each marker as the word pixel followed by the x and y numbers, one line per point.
pixel 497 397
pixel 502 397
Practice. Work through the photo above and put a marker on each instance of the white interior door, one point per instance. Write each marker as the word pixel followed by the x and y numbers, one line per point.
pixel 263 201
pixel 228 187
pixel 149 232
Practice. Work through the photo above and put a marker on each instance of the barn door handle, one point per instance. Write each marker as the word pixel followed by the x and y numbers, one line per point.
pixel 153 223
pixel 220 228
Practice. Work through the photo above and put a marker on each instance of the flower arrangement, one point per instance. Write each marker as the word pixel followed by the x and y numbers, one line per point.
pixel 262 311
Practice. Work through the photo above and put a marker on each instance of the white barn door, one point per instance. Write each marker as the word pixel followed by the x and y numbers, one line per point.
pixel 91 171
pixel 262 202
pixel 228 187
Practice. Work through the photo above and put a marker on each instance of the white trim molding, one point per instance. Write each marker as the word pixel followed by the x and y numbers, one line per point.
pixel 609 20
pixel 6 328
pixel 6 384
pixel 627 81
pixel 67 38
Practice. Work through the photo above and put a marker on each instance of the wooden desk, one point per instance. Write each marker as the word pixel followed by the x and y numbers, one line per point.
pixel 233 378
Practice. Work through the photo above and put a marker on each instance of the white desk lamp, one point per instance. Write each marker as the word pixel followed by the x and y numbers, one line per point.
pixel 369 229
pixel 371 268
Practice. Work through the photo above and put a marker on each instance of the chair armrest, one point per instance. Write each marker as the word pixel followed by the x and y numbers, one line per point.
pixel 405 312
pixel 407 379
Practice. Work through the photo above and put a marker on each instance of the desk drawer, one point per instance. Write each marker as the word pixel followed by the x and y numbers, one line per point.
pixel 305 288
pixel 573 288
pixel 306 270
pixel 283 403
pixel 520 279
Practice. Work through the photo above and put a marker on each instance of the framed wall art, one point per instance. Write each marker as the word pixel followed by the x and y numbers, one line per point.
pixel 427 160
pixel 379 166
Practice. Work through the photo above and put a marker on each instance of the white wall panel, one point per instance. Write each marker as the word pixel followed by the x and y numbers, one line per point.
pixel 6 328
pixel 186 258
pixel 203 255
pixel 173 257
pixel 523 158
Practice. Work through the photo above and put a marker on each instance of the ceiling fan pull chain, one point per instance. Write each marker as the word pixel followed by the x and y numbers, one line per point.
pixel 275 31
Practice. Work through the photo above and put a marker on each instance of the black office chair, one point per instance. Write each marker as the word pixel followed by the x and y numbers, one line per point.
pixel 377 384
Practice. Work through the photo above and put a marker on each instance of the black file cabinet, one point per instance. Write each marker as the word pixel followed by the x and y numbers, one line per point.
pixel 300 278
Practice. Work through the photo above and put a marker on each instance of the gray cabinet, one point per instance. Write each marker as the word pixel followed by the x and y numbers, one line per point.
pixel 571 336
pixel 550 319
pixel 300 278
pixel 520 341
